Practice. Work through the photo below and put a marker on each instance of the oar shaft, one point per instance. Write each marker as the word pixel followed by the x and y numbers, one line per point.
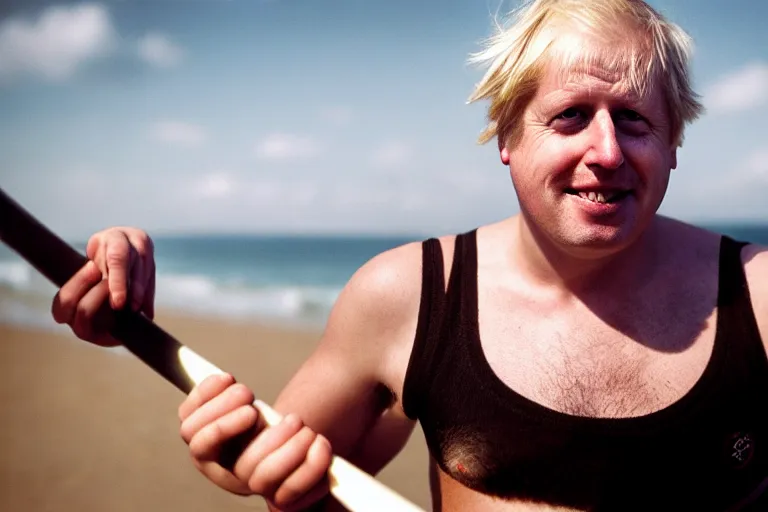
pixel 179 365
pixel 58 261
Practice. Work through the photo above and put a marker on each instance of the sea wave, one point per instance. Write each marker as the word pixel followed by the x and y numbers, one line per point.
pixel 25 297
pixel 15 274
pixel 204 295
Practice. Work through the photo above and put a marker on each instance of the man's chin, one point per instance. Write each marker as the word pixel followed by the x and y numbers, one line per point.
pixel 597 240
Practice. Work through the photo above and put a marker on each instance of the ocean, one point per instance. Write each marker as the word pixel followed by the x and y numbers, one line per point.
pixel 291 279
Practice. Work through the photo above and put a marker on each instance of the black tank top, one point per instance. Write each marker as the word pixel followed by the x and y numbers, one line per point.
pixel 707 451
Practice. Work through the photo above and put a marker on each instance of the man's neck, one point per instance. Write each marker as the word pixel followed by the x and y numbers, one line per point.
pixel 575 274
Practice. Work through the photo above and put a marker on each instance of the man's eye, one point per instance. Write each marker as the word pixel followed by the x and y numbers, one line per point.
pixel 570 114
pixel 630 115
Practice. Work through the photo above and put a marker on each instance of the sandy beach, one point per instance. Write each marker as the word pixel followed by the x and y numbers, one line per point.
pixel 91 429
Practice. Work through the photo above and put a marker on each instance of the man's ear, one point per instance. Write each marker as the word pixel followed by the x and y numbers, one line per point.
pixel 673 158
pixel 504 153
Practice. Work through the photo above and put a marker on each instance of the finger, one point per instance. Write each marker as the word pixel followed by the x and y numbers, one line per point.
pixel 140 240
pixel 223 403
pixel 117 260
pixel 137 284
pixel 66 299
pixel 268 441
pixel 310 475
pixel 312 497
pixel 207 443
pixel 280 463
pixel 149 296
pixel 222 477
pixel 143 268
pixel 93 245
pixel 209 388
pixel 90 321
pixel 317 493
pixel 234 447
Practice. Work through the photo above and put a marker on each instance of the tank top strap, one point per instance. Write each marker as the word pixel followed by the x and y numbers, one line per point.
pixel 462 287
pixel 430 318
pixel 736 317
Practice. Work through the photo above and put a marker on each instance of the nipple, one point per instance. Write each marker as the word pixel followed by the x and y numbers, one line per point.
pixel 465 456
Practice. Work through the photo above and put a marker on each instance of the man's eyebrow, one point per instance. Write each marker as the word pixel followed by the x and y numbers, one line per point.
pixel 582 92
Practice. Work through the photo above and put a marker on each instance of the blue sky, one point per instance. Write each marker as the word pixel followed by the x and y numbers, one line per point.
pixel 315 115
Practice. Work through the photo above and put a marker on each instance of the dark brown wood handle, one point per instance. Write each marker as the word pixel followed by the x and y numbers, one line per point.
pixel 58 261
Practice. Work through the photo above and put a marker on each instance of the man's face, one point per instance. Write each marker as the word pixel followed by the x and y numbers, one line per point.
pixel 593 161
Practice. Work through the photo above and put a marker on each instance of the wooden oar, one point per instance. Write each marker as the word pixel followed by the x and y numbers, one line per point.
pixel 58 261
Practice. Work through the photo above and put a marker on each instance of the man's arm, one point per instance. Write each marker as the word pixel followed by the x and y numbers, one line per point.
pixel 755 260
pixel 345 392
pixel 347 389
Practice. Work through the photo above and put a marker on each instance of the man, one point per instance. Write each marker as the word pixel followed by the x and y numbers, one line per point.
pixel 586 354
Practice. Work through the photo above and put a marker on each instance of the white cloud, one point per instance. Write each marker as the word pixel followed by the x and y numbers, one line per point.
pixel 179 133
pixel 737 191
pixel 216 185
pixel 740 90
pixel 757 164
pixel 391 155
pixel 284 146
pixel 158 50
pixel 55 44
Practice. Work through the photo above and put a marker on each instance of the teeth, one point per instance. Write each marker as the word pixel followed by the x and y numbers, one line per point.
pixel 595 197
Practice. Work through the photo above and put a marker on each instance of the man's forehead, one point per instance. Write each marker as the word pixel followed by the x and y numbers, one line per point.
pixel 589 78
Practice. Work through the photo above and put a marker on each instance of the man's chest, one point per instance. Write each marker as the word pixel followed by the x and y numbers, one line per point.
pixel 576 362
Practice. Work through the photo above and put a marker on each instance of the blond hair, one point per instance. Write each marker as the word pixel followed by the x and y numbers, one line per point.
pixel 633 40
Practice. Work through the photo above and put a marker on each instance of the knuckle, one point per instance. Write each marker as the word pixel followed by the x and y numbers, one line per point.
pixel 60 306
pixel 257 485
pixel 288 494
pixel 94 243
pixel 249 414
pixel 116 257
pixel 196 450
pixel 66 297
pixel 307 436
pixel 185 430
pixel 212 386
pixel 204 440
pixel 83 315
pixel 144 245
pixel 292 423
pixel 320 457
pixel 81 329
pixel 241 393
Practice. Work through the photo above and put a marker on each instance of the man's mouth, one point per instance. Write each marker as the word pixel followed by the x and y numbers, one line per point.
pixel 600 196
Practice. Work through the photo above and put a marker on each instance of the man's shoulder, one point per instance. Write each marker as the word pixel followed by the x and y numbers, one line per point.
pixel 389 276
pixel 755 257
pixel 384 293
pixel 391 280
pixel 755 260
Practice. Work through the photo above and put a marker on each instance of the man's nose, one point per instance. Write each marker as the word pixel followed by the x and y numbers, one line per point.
pixel 604 149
